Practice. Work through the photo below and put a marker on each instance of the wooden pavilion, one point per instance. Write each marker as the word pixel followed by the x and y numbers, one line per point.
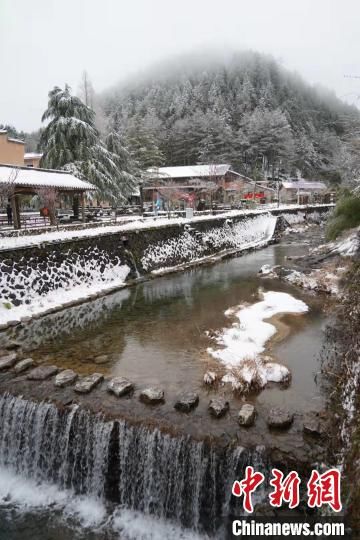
pixel 16 181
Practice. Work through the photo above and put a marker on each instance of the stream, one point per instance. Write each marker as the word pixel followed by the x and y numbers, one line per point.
pixel 156 334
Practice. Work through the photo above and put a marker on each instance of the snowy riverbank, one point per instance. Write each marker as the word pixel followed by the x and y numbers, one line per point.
pixel 10 242
pixel 243 344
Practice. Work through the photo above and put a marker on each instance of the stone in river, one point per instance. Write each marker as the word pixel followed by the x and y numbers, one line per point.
pixel 218 407
pixel 186 402
pixel 65 378
pixel 42 373
pixel 12 345
pixel 88 383
pixel 247 415
pixel 7 361
pixel 119 386
pixel 23 365
pixel 152 396
pixel 279 418
pixel 102 359
pixel 314 425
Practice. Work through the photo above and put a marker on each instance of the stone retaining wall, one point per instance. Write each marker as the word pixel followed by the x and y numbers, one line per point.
pixel 29 272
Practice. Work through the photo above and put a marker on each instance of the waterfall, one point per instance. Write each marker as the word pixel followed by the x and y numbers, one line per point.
pixel 133 467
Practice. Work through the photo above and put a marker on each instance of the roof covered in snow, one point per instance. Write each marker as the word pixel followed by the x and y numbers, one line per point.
pixel 193 171
pixel 32 155
pixel 304 184
pixel 33 177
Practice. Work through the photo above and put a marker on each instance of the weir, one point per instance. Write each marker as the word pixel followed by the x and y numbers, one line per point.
pixel 122 454
pixel 136 467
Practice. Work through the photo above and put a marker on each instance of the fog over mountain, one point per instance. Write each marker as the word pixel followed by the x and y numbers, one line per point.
pixel 243 108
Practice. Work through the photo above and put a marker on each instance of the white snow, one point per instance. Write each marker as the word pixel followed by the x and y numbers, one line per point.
pixel 195 171
pixel 135 224
pixel 246 234
pixel 29 176
pixel 241 345
pixel 115 277
pixel 349 246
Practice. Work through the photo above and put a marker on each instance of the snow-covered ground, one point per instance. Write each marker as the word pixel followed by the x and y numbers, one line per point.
pixel 241 347
pixel 347 245
pixel 74 290
pixel 139 223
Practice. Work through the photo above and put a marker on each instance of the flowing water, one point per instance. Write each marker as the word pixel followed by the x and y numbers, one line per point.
pixel 69 474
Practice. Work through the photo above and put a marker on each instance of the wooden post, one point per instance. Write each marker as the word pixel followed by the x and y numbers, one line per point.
pixel 254 192
pixel 15 211
pixel 83 206
pixel 141 198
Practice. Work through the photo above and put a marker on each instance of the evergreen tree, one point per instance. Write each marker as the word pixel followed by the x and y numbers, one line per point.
pixel 143 147
pixel 70 141
pixel 209 109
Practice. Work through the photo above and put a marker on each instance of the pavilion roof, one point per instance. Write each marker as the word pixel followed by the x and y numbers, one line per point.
pixel 39 178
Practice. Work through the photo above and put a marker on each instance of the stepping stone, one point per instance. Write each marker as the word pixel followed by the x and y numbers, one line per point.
pixel 65 378
pixel 119 386
pixel 218 407
pixel 247 414
pixel 279 418
pixel 186 402
pixel 152 396
pixel 88 383
pixel 210 377
pixel 7 361
pixel 313 425
pixel 102 359
pixel 12 346
pixel 23 365
pixel 42 373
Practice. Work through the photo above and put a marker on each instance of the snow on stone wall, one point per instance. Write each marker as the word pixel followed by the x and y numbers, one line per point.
pixel 191 245
pixel 67 321
pixel 33 285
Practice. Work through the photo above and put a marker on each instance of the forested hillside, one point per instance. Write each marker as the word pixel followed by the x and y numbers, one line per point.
pixel 246 110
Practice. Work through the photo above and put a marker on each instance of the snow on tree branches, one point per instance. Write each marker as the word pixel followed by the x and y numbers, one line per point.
pixel 71 141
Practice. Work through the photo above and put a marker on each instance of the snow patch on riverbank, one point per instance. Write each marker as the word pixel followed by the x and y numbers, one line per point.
pixel 242 345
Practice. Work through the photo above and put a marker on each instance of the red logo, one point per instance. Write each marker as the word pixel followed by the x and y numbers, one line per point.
pixel 324 489
pixel 247 486
pixel 321 489
pixel 286 490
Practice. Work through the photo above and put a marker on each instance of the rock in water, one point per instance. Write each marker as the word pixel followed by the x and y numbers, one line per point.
pixel 313 425
pixel 186 402
pixel 7 361
pixel 279 418
pixel 23 365
pixel 42 373
pixel 88 383
pixel 218 407
pixel 119 386
pixel 101 359
pixel 12 346
pixel 152 396
pixel 247 415
pixel 65 378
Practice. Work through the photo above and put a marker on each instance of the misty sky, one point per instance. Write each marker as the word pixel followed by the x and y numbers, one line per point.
pixel 47 42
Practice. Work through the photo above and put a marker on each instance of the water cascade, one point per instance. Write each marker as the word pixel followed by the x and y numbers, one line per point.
pixel 133 466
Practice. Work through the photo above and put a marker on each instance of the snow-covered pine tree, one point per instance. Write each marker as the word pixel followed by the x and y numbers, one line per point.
pixel 128 169
pixel 70 141
pixel 143 146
